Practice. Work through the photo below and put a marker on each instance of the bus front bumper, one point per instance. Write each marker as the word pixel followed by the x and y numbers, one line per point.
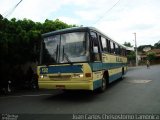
pixel 87 85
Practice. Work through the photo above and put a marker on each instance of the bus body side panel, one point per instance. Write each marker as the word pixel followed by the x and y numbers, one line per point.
pixel 97 74
pixel 114 74
pixel 114 65
pixel 111 63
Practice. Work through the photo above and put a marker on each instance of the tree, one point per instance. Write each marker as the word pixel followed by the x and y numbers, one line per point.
pixel 151 56
pixel 127 44
pixel 157 45
pixel 20 39
pixel 20 42
pixel 131 56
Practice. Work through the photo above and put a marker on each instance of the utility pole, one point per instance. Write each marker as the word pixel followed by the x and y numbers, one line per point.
pixel 136 49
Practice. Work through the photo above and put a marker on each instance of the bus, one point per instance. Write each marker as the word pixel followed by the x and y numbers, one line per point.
pixel 80 58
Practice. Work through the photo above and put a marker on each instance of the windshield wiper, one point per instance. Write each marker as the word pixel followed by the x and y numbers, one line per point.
pixel 66 56
pixel 56 54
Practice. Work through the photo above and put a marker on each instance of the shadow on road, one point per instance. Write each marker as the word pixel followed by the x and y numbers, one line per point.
pixel 80 95
pixel 73 96
pixel 115 83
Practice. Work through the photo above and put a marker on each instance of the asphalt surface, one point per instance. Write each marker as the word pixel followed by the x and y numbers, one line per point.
pixel 138 92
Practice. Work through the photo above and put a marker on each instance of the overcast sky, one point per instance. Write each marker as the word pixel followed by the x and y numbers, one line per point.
pixel 125 18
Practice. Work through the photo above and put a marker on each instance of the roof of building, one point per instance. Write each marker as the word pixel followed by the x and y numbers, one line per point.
pixel 157 51
pixel 129 48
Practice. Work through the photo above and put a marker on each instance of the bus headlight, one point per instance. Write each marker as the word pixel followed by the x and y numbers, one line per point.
pixel 43 76
pixel 79 75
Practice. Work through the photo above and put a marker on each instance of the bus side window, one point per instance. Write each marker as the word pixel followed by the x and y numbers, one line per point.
pixel 123 52
pixel 116 49
pixel 95 47
pixel 109 46
pixel 104 44
pixel 107 42
pixel 119 50
pixel 94 40
pixel 112 45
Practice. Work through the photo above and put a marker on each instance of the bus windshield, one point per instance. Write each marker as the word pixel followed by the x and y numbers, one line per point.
pixel 65 48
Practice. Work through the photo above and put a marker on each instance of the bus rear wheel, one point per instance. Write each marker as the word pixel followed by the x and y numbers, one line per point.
pixel 122 76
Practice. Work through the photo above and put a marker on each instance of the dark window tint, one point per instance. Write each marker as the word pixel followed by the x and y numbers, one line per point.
pixel 95 46
pixel 116 49
pixel 104 44
pixel 112 47
pixel 94 39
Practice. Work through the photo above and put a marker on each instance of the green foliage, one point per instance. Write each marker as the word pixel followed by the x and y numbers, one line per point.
pixel 127 44
pixel 157 45
pixel 131 56
pixel 151 56
pixel 20 39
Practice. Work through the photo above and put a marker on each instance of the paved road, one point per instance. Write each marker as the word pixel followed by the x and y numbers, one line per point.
pixel 139 92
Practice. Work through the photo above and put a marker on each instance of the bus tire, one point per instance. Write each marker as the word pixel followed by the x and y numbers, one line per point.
pixel 104 84
pixel 122 77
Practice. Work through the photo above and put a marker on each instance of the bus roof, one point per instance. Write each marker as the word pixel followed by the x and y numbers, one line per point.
pixel 67 30
pixel 77 29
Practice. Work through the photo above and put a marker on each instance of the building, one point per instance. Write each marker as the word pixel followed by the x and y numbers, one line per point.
pixel 156 60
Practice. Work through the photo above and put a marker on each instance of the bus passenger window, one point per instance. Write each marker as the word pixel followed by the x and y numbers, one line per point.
pixel 122 51
pixel 112 47
pixel 116 49
pixel 109 46
pixel 125 52
pixel 104 44
pixel 94 42
pixel 119 50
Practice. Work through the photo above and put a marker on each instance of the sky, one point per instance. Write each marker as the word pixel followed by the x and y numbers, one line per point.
pixel 118 19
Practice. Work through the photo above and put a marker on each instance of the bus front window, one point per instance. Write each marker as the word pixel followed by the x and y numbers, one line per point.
pixel 50 49
pixel 73 46
pixel 69 47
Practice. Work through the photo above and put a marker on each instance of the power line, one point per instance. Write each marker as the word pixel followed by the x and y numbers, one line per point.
pixel 12 10
pixel 108 10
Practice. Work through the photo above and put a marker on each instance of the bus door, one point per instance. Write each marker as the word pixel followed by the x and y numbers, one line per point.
pixel 96 61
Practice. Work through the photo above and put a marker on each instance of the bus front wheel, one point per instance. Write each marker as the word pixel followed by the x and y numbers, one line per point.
pixel 104 85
